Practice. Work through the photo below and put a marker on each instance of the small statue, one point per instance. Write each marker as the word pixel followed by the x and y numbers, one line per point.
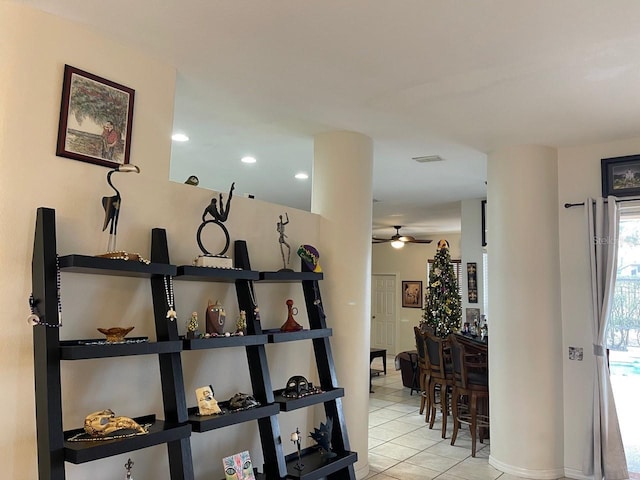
pixel 207 404
pixel 322 436
pixel 219 214
pixel 283 243
pixel 295 438
pixel 128 466
pixel 105 422
pixel 215 317
pixel 112 206
pixel 192 326
pixel 241 323
pixel 291 325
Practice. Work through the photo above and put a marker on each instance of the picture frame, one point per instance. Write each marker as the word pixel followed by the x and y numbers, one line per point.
pixel 238 467
pixel 472 282
pixel 412 294
pixel 96 118
pixel 621 176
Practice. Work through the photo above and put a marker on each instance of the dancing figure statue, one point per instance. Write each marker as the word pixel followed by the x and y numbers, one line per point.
pixel 283 243
pixel 219 213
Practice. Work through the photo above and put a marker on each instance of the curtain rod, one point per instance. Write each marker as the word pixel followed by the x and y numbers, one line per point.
pixel 569 205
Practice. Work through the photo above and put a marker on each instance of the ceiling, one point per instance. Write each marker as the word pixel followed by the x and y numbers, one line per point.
pixel 451 78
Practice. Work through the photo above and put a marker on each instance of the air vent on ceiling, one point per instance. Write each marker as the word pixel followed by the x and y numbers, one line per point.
pixel 428 158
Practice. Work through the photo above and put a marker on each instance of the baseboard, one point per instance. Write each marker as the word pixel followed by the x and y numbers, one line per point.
pixel 577 474
pixel 551 474
pixel 362 470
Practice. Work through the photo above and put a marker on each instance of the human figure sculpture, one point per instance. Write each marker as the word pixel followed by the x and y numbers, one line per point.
pixel 221 213
pixel 283 243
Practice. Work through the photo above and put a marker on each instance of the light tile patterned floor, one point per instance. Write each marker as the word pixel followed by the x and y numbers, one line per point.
pixel 401 445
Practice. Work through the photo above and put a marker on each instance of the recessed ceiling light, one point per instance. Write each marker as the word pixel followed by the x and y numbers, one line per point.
pixel 301 176
pixel 179 137
pixel 248 160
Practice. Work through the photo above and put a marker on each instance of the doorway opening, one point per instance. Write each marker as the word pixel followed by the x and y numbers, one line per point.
pixel 623 337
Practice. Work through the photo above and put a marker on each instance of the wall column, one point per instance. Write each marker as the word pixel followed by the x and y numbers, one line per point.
pixel 525 327
pixel 342 195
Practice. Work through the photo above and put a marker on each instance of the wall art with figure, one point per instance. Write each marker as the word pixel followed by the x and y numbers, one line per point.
pixel 95 119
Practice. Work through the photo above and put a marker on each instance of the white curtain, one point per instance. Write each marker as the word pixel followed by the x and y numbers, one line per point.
pixel 605 458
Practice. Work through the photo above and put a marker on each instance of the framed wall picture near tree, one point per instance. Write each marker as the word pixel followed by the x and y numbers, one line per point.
pixel 96 117
pixel 411 294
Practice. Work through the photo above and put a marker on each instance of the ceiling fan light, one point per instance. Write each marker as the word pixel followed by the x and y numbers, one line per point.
pixel 397 244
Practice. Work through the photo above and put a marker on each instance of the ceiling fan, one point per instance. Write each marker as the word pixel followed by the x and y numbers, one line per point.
pixel 397 240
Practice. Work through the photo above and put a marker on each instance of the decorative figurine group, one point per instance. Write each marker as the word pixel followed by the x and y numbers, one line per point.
pixel 321 435
pixel 208 405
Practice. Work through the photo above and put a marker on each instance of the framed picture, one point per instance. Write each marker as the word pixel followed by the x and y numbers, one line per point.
pixel 96 116
pixel 621 176
pixel 238 467
pixel 412 294
pixel 472 282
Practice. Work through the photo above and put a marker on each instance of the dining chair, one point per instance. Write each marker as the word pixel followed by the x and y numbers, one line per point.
pixel 423 372
pixel 470 399
pixel 440 377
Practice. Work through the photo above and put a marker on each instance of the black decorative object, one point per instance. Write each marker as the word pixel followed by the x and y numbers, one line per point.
pixel 128 466
pixel 298 387
pixel 219 214
pixel 621 176
pixel 322 436
pixel 112 207
pixel 472 282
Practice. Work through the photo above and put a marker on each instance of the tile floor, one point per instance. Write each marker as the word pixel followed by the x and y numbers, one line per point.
pixel 401 446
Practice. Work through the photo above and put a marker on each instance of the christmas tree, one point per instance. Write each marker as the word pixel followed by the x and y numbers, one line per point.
pixel 442 310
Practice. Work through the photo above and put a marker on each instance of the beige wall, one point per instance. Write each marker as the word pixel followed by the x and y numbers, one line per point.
pixel 32 176
pixel 409 263
pixel 579 177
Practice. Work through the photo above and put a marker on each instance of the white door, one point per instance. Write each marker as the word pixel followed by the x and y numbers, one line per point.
pixel 383 312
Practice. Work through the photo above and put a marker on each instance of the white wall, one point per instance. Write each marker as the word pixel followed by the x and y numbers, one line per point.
pixel 32 176
pixel 471 247
pixel 409 263
pixel 579 177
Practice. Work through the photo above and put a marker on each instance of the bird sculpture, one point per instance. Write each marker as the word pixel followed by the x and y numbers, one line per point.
pixel 112 206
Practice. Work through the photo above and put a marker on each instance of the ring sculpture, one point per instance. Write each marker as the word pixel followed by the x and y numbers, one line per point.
pixel 220 213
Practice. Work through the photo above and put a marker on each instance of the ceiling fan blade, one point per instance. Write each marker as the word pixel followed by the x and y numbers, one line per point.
pixel 380 240
pixel 406 238
pixel 420 241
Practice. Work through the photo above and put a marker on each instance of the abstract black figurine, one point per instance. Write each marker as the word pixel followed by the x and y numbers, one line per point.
pixel 112 206
pixel 219 214
pixel 322 436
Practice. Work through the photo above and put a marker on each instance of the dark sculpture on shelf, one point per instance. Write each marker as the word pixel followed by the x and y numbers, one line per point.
pixel 298 387
pixel 283 243
pixel 322 436
pixel 112 206
pixel 291 325
pixel 219 213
